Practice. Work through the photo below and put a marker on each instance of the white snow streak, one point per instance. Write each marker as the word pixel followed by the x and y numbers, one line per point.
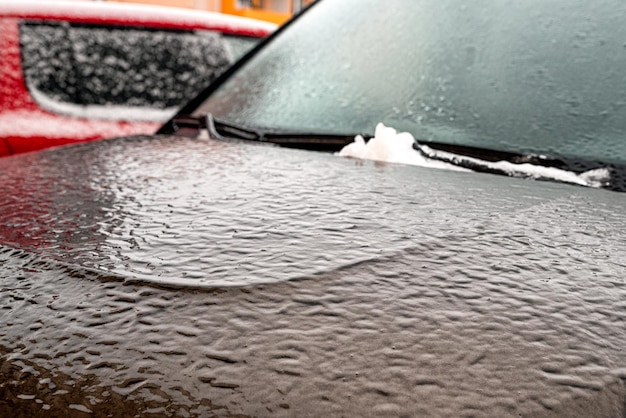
pixel 390 146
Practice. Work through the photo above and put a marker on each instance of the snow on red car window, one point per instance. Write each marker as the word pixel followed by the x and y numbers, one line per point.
pixel 73 72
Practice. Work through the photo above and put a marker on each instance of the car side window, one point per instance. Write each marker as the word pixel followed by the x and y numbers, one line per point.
pixel 47 61
pixel 114 66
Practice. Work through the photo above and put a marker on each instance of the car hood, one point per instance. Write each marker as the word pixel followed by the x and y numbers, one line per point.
pixel 283 280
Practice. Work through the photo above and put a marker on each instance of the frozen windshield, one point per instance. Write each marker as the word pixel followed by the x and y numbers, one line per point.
pixel 539 76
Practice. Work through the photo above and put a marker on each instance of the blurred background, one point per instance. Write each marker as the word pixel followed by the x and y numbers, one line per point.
pixel 275 11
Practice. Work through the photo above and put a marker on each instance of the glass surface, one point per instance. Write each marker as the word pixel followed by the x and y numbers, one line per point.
pixel 536 76
pixel 120 66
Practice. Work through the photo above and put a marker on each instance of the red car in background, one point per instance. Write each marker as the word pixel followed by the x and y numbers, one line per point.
pixel 79 71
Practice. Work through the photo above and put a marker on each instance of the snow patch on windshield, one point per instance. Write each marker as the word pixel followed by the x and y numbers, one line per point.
pixel 599 177
pixel 390 146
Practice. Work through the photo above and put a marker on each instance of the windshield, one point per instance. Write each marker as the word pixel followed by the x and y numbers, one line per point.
pixel 539 76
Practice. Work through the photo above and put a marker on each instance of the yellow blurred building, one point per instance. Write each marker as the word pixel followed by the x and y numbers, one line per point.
pixel 276 11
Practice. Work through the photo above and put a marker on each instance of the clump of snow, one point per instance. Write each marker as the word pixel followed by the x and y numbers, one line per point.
pixel 390 146
pixel 598 177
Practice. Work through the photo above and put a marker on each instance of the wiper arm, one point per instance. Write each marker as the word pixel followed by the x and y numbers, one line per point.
pixel 223 130
pixel 187 125
pixel 192 126
pixel 303 140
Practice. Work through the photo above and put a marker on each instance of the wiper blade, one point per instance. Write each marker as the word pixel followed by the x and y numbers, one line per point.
pixel 519 165
pixel 192 126
pixel 184 125
pixel 303 140
pixel 224 130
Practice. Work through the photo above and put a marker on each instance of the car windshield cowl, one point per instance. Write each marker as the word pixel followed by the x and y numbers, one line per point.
pixel 476 159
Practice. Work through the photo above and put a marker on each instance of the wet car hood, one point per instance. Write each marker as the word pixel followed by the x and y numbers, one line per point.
pixel 266 281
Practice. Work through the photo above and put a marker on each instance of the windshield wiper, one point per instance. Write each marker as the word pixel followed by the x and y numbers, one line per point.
pixel 225 130
pixel 537 167
pixel 187 125
pixel 303 140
